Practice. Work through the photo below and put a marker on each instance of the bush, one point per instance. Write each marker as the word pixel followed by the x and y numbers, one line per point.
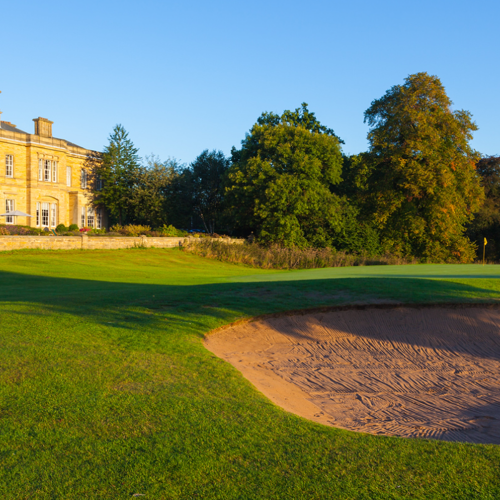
pixel 61 228
pixel 73 227
pixel 135 230
pixel 138 230
pixel 15 230
pixel 276 257
pixel 171 231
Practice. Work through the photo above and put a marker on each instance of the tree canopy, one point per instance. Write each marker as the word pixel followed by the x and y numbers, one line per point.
pixel 116 175
pixel 279 181
pixel 414 193
pixel 486 223
pixel 153 201
pixel 207 175
pixel 418 178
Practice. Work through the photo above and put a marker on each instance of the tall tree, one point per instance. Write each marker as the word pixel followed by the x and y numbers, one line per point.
pixel 208 172
pixel 116 176
pixel 419 175
pixel 280 179
pixel 153 195
pixel 487 220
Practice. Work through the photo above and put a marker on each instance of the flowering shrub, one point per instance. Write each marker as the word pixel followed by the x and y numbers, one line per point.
pixel 85 229
pixel 14 230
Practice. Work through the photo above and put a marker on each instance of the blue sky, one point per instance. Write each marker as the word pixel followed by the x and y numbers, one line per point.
pixel 186 76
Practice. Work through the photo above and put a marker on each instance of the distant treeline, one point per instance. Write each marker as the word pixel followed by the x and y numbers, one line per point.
pixel 420 191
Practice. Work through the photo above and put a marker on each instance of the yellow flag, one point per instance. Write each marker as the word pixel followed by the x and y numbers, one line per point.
pixel 485 241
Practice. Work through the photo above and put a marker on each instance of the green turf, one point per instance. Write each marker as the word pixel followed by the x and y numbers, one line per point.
pixel 107 391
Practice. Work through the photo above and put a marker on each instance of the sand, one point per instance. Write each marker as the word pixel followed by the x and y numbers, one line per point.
pixel 411 372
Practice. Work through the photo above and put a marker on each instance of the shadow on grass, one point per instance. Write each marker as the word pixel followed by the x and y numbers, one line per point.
pixel 195 309
pixel 153 317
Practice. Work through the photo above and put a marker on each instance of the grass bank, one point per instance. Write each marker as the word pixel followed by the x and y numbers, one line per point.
pixel 107 391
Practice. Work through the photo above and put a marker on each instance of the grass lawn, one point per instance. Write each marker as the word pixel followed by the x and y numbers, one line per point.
pixel 106 390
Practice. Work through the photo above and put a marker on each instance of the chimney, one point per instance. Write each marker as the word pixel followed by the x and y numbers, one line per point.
pixel 43 127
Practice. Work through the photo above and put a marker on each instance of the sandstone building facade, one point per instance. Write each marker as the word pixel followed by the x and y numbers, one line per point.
pixel 46 178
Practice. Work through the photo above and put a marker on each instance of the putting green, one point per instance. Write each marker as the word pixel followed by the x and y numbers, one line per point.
pixel 427 271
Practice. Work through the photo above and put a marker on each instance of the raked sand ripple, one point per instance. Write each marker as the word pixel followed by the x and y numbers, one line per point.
pixel 423 373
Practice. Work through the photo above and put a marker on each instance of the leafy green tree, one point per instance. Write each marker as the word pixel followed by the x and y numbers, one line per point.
pixel 486 223
pixel 207 174
pixel 418 178
pixel 115 176
pixel 154 192
pixel 279 182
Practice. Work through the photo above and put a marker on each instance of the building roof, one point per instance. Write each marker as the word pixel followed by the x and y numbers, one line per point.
pixel 12 128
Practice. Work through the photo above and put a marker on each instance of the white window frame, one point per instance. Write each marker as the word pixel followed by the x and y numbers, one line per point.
pixel 47 170
pixel 83 219
pixel 10 206
pixel 38 214
pixel 40 169
pixel 9 166
pixel 84 179
pixel 54 171
pixel 53 215
pixel 68 176
pixel 98 218
pixel 90 217
pixel 45 214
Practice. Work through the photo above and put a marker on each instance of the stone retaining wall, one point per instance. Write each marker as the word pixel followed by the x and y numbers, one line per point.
pixel 86 242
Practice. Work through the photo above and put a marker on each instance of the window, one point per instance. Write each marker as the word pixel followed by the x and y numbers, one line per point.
pixel 45 214
pixel 9 206
pixel 83 216
pixel 9 166
pixel 38 214
pixel 98 214
pixel 40 169
pixel 90 217
pixel 53 215
pixel 47 169
pixel 54 171
pixel 84 179
pixel 68 176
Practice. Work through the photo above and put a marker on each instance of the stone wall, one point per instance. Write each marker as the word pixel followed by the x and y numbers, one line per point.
pixel 86 242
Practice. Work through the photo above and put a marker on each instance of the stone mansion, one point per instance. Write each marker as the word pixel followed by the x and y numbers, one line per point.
pixel 44 177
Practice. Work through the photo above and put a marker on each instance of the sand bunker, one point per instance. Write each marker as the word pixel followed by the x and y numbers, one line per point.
pixel 429 373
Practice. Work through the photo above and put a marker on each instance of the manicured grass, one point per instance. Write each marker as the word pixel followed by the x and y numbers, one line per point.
pixel 106 389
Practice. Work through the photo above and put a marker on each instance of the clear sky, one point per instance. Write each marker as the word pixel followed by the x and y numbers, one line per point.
pixel 189 75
